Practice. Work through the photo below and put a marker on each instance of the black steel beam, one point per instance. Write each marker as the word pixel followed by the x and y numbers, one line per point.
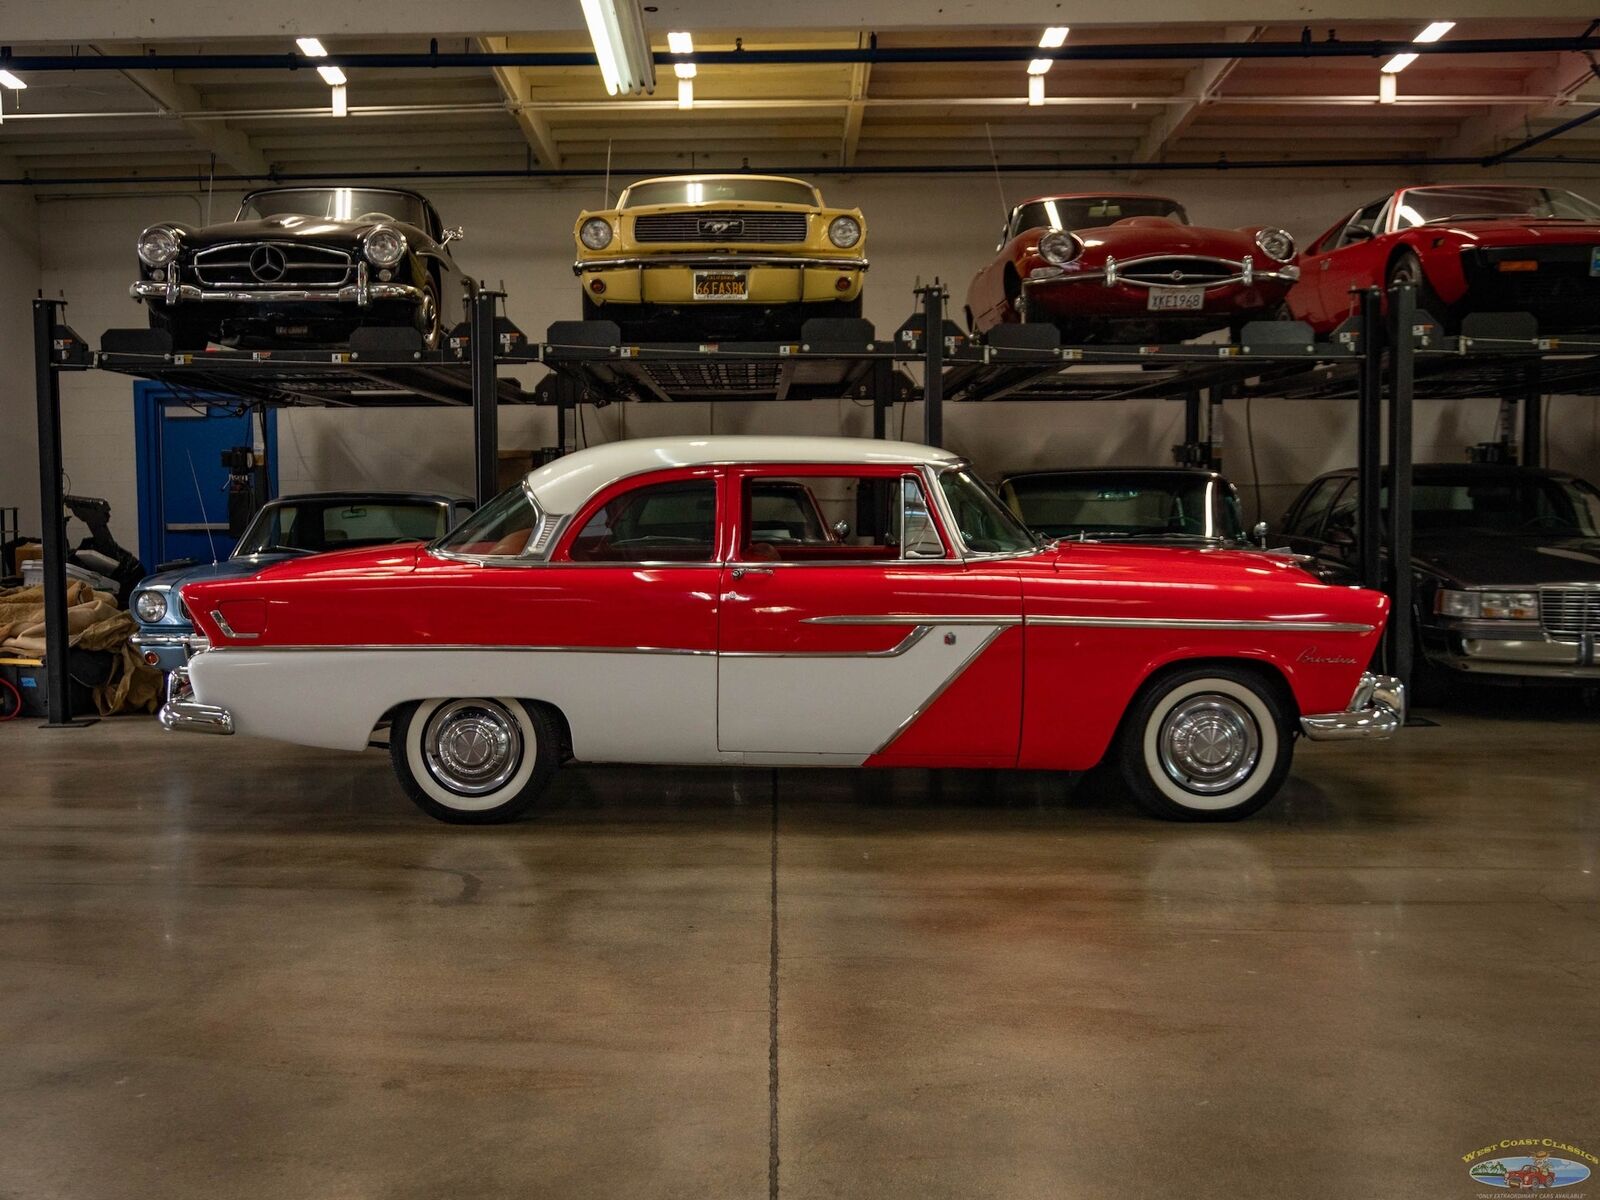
pixel 882 396
pixel 1402 368
pixel 485 395
pixel 1369 441
pixel 933 296
pixel 53 529
pixel 1533 417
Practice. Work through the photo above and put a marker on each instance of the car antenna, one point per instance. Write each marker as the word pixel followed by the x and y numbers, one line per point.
pixel 994 161
pixel 199 496
pixel 606 203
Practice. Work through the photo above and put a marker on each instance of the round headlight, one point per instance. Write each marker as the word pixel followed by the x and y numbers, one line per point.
pixel 1276 244
pixel 844 232
pixel 158 245
pixel 384 247
pixel 595 233
pixel 150 606
pixel 1059 247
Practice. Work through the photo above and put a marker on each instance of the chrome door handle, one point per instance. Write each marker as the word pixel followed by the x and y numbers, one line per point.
pixel 741 572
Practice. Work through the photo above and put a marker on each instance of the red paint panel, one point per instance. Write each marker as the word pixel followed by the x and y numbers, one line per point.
pixel 974 722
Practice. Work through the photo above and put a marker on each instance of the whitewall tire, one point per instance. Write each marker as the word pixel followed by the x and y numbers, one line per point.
pixel 473 760
pixel 1210 743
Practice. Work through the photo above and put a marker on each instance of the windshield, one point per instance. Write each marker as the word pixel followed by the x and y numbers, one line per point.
pixel 1420 206
pixel 718 190
pixel 985 524
pixel 1133 506
pixel 1531 506
pixel 313 526
pixel 1090 212
pixel 500 528
pixel 339 204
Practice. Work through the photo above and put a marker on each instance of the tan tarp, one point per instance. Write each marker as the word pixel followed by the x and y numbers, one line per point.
pixel 94 622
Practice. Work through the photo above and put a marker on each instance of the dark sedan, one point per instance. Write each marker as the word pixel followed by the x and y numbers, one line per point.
pixel 300 267
pixel 1506 561
pixel 1186 506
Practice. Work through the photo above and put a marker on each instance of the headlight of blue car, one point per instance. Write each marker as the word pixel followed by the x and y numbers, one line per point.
pixel 150 607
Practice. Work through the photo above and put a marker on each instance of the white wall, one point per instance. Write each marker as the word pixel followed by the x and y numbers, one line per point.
pixel 919 227
pixel 19 283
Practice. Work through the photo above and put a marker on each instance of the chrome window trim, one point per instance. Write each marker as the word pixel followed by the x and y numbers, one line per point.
pixel 965 553
pixel 542 537
pixel 900 520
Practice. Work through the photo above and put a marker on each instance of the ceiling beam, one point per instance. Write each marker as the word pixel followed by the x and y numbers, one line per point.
pixel 1549 88
pixel 860 75
pixel 515 88
pixel 232 148
pixel 1198 88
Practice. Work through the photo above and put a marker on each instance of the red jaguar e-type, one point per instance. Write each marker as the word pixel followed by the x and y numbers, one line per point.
pixel 1128 269
pixel 1481 247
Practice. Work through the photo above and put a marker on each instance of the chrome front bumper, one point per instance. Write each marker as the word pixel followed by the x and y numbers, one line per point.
pixel 1532 655
pixel 362 292
pixel 186 714
pixel 172 650
pixel 1377 709
pixel 731 262
pixel 1115 274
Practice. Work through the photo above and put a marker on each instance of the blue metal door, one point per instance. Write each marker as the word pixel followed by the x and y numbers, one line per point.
pixel 183 486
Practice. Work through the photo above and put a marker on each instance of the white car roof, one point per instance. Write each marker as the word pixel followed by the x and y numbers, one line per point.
pixel 562 486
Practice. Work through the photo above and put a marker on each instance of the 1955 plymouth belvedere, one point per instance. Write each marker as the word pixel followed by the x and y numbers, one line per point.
pixel 677 601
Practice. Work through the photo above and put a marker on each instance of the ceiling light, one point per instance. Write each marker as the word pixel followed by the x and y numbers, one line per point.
pixel 332 76
pixel 1035 90
pixel 616 27
pixel 685 93
pixel 9 80
pixel 1054 37
pixel 1388 87
pixel 680 43
pixel 684 70
pixel 1039 66
pixel 1432 33
pixel 311 47
pixel 341 101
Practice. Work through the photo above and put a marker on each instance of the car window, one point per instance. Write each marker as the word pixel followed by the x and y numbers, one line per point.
pixel 1092 212
pixel 1306 521
pixel 834 518
pixel 986 525
pixel 1342 516
pixel 317 526
pixel 659 522
pixel 1364 221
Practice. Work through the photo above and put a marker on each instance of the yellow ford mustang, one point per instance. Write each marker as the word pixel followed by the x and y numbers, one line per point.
pixel 688 256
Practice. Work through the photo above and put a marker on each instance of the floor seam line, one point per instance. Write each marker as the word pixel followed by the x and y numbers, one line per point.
pixel 772 1013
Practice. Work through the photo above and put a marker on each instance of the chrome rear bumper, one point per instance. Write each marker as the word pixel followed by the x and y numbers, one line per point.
pixel 186 714
pixel 1377 709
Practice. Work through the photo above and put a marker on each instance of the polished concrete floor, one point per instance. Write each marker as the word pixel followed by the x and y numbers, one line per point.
pixel 229 968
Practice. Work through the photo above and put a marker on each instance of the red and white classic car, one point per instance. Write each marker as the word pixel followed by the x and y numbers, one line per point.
pixel 679 601
pixel 1480 247
pixel 1128 268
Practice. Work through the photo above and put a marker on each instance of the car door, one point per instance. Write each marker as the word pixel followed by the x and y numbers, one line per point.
pixel 1344 261
pixel 875 643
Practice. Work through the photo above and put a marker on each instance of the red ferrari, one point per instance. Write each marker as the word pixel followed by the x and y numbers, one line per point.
pixel 1482 247
pixel 1128 269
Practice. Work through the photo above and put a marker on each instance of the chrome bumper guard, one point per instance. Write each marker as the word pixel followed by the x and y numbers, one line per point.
pixel 184 713
pixel 731 262
pixel 1377 709
pixel 362 292
pixel 190 643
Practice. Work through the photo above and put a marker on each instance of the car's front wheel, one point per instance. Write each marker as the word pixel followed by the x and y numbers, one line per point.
pixel 474 760
pixel 1208 743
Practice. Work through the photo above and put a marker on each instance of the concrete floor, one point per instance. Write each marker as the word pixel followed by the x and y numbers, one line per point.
pixel 229 968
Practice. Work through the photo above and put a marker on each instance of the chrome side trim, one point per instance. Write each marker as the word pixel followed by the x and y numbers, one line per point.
pixel 938 691
pixel 1205 623
pixel 434 647
pixel 916 634
pixel 227 631
pixel 929 619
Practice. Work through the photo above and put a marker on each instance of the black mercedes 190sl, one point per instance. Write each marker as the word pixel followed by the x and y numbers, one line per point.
pixel 1506 561
pixel 300 267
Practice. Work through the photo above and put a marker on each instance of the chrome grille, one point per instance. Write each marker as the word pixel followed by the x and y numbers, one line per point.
pixel 271 265
pixel 1569 612
pixel 1179 272
pixel 722 226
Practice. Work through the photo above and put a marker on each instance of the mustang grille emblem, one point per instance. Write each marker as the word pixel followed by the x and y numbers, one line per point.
pixel 721 227
pixel 268 264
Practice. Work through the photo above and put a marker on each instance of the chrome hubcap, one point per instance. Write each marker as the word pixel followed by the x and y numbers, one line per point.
pixel 472 746
pixel 1209 743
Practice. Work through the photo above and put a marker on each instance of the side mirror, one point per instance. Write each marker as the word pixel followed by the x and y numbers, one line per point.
pixel 452 235
pixel 1358 233
pixel 1341 537
pixel 1260 532
pixel 841 529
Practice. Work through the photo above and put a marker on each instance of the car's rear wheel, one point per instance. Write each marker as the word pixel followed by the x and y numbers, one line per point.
pixel 474 760
pixel 1207 743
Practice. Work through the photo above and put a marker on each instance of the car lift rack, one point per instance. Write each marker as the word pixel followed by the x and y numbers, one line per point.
pixel 1368 359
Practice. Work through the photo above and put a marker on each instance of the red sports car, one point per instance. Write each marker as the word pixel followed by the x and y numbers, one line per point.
pixel 773 600
pixel 1126 269
pixel 1482 247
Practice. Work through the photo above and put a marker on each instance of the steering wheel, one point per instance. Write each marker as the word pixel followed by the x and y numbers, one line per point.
pixel 1547 521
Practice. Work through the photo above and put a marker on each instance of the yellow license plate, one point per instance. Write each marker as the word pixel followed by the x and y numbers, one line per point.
pixel 721 285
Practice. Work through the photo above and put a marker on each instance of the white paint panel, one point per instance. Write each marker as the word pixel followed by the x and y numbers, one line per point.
pixel 821 704
pixel 622 707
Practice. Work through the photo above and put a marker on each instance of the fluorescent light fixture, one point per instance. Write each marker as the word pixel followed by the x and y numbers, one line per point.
pixel 9 80
pixel 1035 90
pixel 1054 37
pixel 685 93
pixel 684 70
pixel 332 76
pixel 1039 66
pixel 680 43
pixel 616 27
pixel 1432 33
pixel 311 47
pixel 1388 87
pixel 341 101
